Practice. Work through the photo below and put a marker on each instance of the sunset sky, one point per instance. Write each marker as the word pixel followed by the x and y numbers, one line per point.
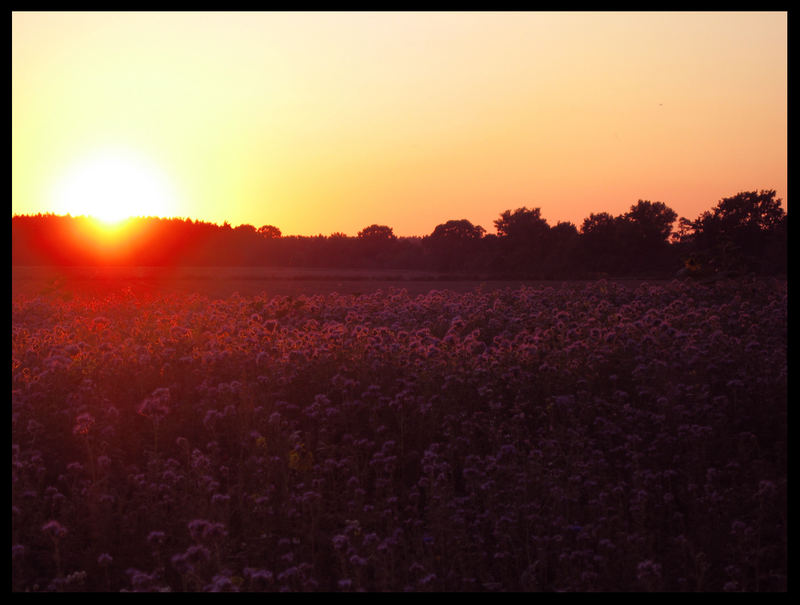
pixel 326 122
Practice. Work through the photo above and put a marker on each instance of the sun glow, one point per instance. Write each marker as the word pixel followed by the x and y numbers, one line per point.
pixel 114 185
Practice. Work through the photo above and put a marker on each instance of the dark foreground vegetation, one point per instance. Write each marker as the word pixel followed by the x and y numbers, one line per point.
pixel 743 234
pixel 594 438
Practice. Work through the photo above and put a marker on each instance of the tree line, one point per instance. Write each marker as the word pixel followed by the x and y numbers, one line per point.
pixel 745 233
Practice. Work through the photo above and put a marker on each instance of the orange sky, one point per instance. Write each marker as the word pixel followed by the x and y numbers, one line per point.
pixel 325 122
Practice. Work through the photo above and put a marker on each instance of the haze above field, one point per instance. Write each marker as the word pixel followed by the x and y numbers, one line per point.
pixel 329 122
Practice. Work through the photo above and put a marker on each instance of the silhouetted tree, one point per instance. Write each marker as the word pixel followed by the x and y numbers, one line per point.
pixel 453 244
pixel 375 244
pixel 561 255
pixel 523 234
pixel 269 232
pixel 377 233
pixel 601 245
pixel 652 221
pixel 744 232
pixel 522 224
pixel 645 231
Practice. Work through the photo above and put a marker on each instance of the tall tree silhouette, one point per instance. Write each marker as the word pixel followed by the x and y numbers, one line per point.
pixel 376 243
pixel 269 232
pixel 561 256
pixel 746 231
pixel 522 225
pixel 646 228
pixel 523 235
pixel 377 233
pixel 454 244
pixel 601 244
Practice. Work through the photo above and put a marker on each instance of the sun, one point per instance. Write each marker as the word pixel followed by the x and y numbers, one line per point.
pixel 113 185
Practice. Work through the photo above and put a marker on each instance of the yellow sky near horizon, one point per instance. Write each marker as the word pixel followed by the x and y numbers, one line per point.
pixel 329 122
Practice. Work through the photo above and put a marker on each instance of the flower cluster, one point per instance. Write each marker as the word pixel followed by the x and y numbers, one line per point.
pixel 588 437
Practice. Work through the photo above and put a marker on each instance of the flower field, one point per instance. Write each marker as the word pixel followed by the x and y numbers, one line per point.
pixel 586 438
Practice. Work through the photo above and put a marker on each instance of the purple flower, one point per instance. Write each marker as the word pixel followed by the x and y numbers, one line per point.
pixel 54 529
pixel 104 559
pixel 221 583
pixel 82 424
pixel 358 561
pixel 258 575
pixel 220 499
